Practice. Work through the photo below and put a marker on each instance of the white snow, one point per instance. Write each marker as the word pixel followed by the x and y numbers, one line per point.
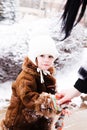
pixel 65 78
pixel 5 94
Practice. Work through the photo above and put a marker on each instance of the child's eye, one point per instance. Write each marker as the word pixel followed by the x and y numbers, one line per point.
pixel 50 56
pixel 41 55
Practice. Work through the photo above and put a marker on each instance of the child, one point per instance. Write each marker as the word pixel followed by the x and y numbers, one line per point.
pixel 31 105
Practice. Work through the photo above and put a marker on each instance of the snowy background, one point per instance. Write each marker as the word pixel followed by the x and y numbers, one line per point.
pixel 14 46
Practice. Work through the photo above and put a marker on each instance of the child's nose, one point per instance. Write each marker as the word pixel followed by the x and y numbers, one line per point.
pixel 46 59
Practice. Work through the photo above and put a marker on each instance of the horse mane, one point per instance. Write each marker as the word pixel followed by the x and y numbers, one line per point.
pixel 73 12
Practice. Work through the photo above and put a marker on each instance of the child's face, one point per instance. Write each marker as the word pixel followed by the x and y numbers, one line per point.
pixel 45 61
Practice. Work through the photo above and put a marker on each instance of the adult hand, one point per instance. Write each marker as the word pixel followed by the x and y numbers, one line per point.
pixel 67 94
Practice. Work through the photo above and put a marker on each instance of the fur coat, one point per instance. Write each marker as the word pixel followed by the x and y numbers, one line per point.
pixel 26 109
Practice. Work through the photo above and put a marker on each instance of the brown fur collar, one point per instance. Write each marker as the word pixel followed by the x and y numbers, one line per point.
pixel 28 65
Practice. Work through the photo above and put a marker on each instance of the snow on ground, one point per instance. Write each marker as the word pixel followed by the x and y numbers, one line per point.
pixel 65 78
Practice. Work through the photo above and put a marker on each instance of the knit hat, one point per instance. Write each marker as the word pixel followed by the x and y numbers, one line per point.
pixel 41 44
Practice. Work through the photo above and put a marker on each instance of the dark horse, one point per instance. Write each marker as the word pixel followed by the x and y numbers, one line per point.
pixel 73 12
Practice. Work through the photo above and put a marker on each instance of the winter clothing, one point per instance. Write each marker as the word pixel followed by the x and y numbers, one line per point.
pixel 24 111
pixel 81 83
pixel 31 105
pixel 42 44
